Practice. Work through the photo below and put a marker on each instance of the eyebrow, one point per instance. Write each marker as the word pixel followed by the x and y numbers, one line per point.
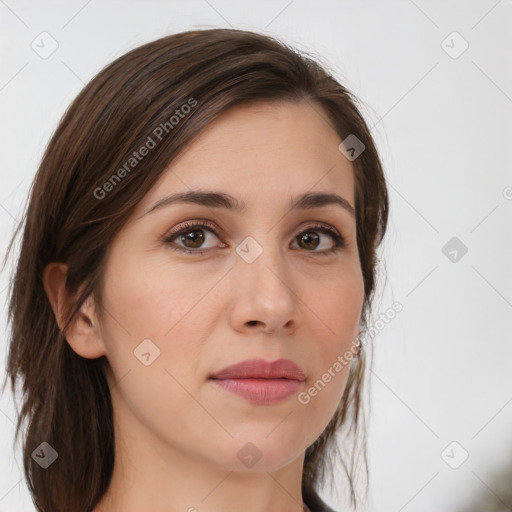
pixel 306 201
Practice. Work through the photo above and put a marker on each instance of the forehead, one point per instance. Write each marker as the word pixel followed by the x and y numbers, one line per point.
pixel 261 151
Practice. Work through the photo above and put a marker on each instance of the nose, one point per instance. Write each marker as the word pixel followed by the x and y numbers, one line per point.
pixel 264 299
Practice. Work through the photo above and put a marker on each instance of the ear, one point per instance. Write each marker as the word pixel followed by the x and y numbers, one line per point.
pixel 83 334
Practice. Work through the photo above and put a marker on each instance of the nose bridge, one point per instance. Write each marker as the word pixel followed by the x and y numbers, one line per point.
pixel 262 268
pixel 261 252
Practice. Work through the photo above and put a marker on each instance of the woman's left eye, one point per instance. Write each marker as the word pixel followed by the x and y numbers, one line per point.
pixel 191 234
pixel 310 236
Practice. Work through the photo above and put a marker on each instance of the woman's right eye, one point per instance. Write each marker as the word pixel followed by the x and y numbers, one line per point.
pixel 191 233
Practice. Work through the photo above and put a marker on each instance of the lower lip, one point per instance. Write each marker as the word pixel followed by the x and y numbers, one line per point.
pixel 261 391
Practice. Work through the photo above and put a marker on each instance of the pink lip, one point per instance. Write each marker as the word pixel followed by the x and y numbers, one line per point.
pixel 261 369
pixel 260 381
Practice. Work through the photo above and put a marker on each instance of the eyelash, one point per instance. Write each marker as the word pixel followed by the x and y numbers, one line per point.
pixel 339 241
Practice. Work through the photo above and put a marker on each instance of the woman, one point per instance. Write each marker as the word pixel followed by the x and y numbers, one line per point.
pixel 195 276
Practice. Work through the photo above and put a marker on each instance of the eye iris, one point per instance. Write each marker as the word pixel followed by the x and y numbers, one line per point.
pixel 308 237
pixel 190 235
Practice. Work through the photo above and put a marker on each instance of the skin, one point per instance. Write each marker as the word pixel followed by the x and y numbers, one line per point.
pixel 177 433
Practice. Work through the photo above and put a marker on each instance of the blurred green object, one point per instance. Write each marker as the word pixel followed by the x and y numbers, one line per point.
pixel 495 492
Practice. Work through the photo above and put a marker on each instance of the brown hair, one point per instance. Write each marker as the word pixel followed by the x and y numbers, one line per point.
pixel 66 398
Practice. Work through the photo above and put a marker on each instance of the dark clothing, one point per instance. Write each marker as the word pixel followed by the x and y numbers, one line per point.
pixel 314 502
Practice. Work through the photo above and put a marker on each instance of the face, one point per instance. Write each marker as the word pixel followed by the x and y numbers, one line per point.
pixel 208 286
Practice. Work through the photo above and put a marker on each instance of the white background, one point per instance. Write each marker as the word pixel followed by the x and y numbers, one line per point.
pixel 443 125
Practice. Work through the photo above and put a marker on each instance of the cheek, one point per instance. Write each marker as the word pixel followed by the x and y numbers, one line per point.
pixel 149 299
pixel 334 312
pixel 337 302
pixel 151 303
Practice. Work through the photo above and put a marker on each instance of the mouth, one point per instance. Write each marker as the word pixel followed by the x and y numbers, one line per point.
pixel 261 369
pixel 260 381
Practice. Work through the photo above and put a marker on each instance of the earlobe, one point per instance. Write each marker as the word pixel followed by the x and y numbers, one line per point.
pixel 83 334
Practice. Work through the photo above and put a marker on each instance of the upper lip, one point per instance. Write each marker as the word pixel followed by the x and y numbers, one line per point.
pixel 261 369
